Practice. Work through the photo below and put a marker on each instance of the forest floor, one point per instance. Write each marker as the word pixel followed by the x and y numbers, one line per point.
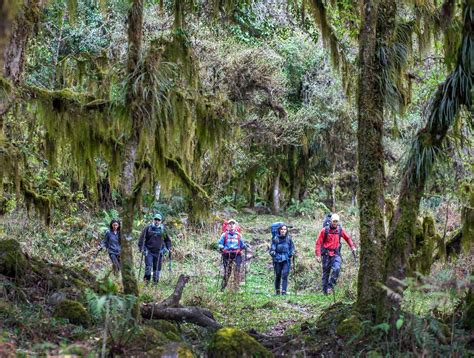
pixel 253 307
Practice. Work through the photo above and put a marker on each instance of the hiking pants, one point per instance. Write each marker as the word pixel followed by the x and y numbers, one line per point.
pixel 115 261
pixel 282 269
pixel 153 260
pixel 331 270
pixel 230 258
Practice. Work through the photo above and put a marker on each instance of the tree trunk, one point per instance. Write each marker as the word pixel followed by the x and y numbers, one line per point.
pixel 377 24
pixel 333 186
pixel 253 190
pixel 105 194
pixel 445 105
pixel 13 49
pixel 276 192
pixel 134 100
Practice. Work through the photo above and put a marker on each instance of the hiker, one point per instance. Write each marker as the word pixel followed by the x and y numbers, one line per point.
pixel 328 245
pixel 281 250
pixel 111 242
pixel 231 245
pixel 154 242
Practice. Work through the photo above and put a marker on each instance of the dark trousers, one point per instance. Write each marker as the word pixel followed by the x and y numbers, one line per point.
pixel 331 270
pixel 115 262
pixel 229 259
pixel 282 270
pixel 153 261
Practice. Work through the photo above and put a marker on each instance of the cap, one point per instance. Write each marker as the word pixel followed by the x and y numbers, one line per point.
pixel 335 217
pixel 157 217
pixel 232 221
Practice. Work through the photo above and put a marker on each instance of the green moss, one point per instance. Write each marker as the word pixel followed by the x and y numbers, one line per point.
pixel 349 327
pixel 149 338
pixel 7 310
pixel 176 350
pixel 73 311
pixel 169 329
pixel 231 342
pixel 12 261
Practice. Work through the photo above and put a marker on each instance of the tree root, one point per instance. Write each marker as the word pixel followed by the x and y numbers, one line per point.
pixel 170 309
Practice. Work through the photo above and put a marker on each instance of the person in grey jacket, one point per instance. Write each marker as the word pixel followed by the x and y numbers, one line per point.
pixel 112 243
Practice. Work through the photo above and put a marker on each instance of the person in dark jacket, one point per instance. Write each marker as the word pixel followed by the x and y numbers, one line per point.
pixel 112 242
pixel 154 242
pixel 282 250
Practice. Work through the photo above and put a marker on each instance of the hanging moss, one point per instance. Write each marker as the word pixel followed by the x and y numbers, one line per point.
pixel 41 203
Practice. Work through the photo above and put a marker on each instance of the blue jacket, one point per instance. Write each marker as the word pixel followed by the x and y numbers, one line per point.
pixel 112 242
pixel 232 242
pixel 282 248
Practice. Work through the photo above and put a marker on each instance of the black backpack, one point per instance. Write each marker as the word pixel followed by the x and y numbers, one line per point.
pixel 327 224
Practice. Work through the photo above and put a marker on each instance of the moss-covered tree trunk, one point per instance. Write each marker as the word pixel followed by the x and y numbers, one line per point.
pixel 134 102
pixel 377 25
pixel 276 192
pixel 14 35
pixel 445 105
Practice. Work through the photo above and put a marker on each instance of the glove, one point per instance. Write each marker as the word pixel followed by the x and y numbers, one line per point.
pixel 272 253
pixel 221 249
pixel 318 258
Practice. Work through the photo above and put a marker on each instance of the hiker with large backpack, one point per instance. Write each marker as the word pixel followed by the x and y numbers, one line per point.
pixel 328 246
pixel 112 242
pixel 231 246
pixel 282 250
pixel 154 242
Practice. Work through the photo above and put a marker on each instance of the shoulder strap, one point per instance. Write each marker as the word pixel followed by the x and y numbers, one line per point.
pixel 326 233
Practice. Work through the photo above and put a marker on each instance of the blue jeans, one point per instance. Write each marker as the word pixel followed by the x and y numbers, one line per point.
pixel 282 270
pixel 331 271
pixel 153 261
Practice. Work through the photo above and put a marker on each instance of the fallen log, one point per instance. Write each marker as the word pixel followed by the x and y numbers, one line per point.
pixel 171 309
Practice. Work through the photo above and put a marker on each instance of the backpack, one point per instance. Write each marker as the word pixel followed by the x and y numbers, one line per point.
pixel 327 224
pixel 225 226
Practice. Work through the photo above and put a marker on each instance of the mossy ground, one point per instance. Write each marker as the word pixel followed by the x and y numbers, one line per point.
pixel 304 314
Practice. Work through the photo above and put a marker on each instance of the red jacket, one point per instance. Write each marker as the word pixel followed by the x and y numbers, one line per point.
pixel 332 241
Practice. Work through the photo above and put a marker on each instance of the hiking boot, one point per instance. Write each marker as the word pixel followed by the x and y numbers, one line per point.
pixel 283 292
pixel 277 292
pixel 329 291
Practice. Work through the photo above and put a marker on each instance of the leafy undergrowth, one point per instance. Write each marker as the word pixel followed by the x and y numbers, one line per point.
pixel 304 322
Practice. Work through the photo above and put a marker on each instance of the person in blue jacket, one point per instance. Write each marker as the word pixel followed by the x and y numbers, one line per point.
pixel 282 250
pixel 231 246
pixel 112 242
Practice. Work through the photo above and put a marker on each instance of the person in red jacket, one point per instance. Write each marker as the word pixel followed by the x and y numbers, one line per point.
pixel 328 245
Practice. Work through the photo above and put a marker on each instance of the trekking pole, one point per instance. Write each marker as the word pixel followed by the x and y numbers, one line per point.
pixel 141 259
pixel 170 269
pixel 245 270
pixel 294 274
pixel 97 253
pixel 334 294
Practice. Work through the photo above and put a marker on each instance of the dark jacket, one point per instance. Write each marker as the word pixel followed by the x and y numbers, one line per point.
pixel 154 238
pixel 112 242
pixel 282 248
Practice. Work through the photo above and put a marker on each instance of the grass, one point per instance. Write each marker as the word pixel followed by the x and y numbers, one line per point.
pixel 194 253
